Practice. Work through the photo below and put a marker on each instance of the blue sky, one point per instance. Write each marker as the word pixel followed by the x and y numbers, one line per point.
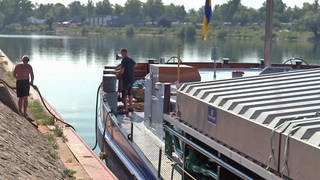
pixel 190 3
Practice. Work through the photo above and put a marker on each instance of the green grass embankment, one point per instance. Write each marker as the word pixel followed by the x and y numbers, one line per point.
pixel 42 117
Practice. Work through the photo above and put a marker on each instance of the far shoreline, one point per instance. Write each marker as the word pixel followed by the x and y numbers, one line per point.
pixel 218 33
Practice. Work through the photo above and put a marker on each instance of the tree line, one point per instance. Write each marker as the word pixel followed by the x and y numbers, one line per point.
pixel 232 13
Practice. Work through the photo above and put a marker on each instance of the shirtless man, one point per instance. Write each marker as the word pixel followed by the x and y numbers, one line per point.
pixel 23 72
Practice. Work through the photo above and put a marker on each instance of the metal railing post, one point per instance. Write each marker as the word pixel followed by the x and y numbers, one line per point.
pixel 166 99
pixel 159 163
pixel 131 138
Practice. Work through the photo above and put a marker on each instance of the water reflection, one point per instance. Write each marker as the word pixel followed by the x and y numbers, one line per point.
pixel 101 49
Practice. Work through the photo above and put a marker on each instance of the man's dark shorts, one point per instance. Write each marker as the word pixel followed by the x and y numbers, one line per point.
pixel 126 89
pixel 23 87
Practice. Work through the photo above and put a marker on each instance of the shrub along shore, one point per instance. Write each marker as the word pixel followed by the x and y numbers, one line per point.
pixel 187 31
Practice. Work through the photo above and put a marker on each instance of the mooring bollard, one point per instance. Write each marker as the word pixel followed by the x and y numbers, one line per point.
pixel 109 71
pixel 110 89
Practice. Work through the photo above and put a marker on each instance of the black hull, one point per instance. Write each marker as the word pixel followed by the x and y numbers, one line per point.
pixel 112 161
pixel 122 157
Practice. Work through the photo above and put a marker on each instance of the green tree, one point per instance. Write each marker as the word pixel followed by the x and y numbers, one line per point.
pixel 24 10
pixel 133 8
pixel 192 16
pixel 52 13
pixel 311 21
pixel 228 10
pixel 180 13
pixel 76 9
pixel 175 13
pixel 2 17
pixel 103 8
pixel 316 4
pixel 90 8
pixel 200 14
pixel 294 14
pixel 7 8
pixel 16 11
pixel 278 12
pixel 153 9
pixel 60 12
pixel 49 22
pixel 245 15
pixel 43 10
pixel 169 11
pixel 118 10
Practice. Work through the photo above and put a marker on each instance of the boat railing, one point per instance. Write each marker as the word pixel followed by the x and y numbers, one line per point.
pixel 296 61
pixel 173 59
pixel 153 148
pixel 167 167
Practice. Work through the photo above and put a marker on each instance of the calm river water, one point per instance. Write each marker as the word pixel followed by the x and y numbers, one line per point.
pixel 68 69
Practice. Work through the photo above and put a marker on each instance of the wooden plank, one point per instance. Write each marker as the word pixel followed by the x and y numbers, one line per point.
pixel 86 157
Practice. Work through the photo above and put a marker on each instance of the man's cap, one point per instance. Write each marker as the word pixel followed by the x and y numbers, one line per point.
pixel 25 57
pixel 123 50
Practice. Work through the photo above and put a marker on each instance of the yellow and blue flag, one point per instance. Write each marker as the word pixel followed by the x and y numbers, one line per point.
pixel 206 19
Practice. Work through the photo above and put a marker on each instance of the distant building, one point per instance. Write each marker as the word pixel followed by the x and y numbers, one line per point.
pixel 99 20
pixel 176 24
pixel 77 20
pixel 122 21
pixel 33 20
pixel 287 25
pixel 109 20
pixel 227 23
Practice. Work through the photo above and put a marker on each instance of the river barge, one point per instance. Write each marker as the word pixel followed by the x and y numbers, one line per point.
pixel 261 126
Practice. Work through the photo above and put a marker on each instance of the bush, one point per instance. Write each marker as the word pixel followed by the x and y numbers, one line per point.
pixel 14 27
pixel 52 153
pixel 187 31
pixel 221 34
pixel 58 131
pixel 180 33
pixel 129 30
pixel 52 140
pixel 85 30
pixel 47 121
pixel 190 31
pixel 70 173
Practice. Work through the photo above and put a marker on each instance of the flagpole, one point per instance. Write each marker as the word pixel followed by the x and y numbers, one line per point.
pixel 268 33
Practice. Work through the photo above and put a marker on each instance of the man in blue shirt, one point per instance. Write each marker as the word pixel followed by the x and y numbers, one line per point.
pixel 127 73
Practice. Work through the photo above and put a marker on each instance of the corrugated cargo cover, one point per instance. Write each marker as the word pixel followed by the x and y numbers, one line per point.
pixel 272 119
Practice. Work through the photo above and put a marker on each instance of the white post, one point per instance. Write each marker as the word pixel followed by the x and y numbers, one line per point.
pixel 214 57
